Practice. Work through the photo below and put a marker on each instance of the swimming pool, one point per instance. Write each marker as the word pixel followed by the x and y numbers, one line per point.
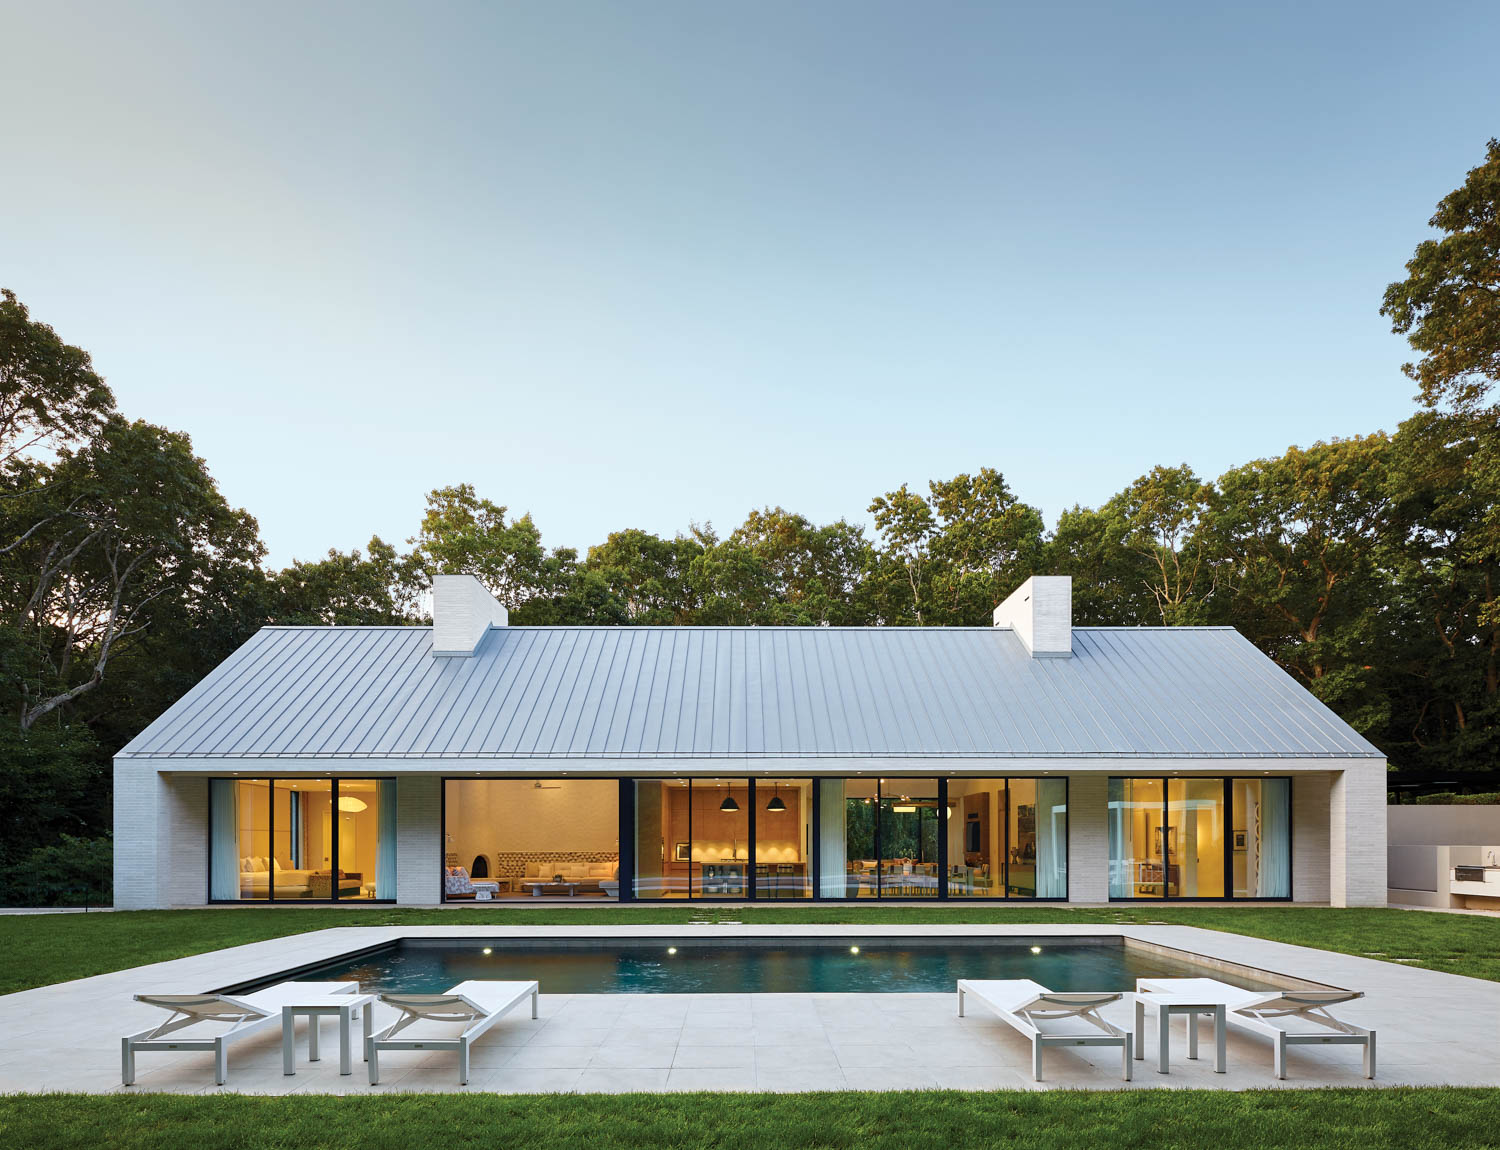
pixel 762 965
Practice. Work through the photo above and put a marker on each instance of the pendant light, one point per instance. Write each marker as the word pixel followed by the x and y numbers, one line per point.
pixel 775 804
pixel 729 804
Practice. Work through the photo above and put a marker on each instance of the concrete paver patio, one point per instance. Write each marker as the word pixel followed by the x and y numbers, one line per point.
pixel 1435 1029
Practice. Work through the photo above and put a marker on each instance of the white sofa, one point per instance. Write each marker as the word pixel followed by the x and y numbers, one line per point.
pixel 591 877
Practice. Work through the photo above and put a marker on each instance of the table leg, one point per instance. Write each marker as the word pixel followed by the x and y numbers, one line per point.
pixel 1192 1022
pixel 1163 1039
pixel 312 1037
pixel 288 1043
pixel 1140 1028
pixel 345 1062
pixel 1221 1027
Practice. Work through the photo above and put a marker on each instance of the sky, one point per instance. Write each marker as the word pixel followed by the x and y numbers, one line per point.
pixel 650 264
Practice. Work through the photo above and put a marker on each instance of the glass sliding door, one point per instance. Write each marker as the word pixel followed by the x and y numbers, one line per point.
pixel 860 864
pixel 1200 838
pixel 720 838
pixel 907 834
pixel 1137 816
pixel 783 838
pixel 1195 838
pixel 1007 838
pixel 976 828
pixel 302 840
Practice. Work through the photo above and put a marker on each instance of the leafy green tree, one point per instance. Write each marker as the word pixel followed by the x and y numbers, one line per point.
pixel 1110 589
pixel 649 576
pixel 1159 519
pixel 50 395
pixel 347 589
pixel 1301 537
pixel 1448 306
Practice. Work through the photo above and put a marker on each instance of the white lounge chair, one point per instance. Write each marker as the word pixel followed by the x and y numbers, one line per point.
pixel 1028 1005
pixel 247 1014
pixel 1286 1017
pixel 476 1005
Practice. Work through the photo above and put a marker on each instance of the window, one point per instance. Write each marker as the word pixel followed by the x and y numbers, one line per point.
pixel 1007 838
pixel 528 838
pixel 1199 838
pixel 286 840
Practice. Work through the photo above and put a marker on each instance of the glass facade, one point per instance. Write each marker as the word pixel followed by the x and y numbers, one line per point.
pixel 1007 838
pixel 1207 838
pixel 531 838
pixel 307 840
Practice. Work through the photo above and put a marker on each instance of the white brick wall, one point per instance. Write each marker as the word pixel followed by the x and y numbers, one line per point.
pixel 1357 835
pixel 419 840
pixel 1310 837
pixel 137 809
pixel 186 848
pixel 1088 838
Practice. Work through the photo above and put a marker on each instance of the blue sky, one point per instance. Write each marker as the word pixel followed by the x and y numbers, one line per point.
pixel 636 265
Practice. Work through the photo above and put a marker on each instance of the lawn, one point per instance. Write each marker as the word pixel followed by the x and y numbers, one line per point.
pixel 42 949
pixel 1408 1119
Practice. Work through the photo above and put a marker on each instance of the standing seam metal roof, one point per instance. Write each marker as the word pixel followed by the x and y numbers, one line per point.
pixel 635 693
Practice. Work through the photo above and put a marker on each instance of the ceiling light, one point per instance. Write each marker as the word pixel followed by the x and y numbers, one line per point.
pixel 729 804
pixel 904 810
pixel 776 804
pixel 350 803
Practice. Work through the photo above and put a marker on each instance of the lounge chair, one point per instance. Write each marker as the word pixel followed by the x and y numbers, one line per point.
pixel 1027 1006
pixel 1287 1017
pixel 247 1014
pixel 476 1005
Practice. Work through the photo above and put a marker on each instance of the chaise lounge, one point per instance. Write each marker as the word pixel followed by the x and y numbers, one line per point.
pixel 1286 1017
pixel 476 1005
pixel 1049 1018
pixel 247 1014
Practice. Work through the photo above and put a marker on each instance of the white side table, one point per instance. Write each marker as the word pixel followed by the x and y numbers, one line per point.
pixel 1157 994
pixel 314 1006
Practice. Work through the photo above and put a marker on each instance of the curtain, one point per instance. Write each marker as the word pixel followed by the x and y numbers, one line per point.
pixel 832 836
pixel 224 839
pixel 1052 833
pixel 385 838
pixel 1275 880
pixel 1119 867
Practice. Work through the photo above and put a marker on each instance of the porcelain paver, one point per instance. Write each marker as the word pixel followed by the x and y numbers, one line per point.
pixel 1434 1028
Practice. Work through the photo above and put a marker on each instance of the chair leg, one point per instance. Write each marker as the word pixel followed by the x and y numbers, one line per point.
pixel 372 1056
pixel 127 1062
pixel 1036 1058
pixel 221 1062
pixel 960 1002
pixel 1129 1060
pixel 1280 1055
pixel 463 1061
pixel 1370 1055
pixel 533 1003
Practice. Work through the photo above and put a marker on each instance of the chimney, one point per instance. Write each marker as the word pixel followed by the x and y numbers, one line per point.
pixel 1040 612
pixel 463 611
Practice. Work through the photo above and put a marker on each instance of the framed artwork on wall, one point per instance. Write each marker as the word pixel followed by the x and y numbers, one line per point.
pixel 681 853
pixel 1239 840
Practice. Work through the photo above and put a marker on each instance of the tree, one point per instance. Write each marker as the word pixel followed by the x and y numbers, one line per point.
pixel 958 552
pixel 1448 306
pixel 1110 589
pixel 1302 536
pixel 50 396
pixel 464 534
pixel 648 575
pixel 131 518
pixel 347 589
pixel 1159 519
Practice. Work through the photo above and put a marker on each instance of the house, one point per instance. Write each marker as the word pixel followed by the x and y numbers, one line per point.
pixel 1031 760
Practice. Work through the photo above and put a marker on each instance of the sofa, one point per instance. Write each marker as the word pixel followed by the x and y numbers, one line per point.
pixel 590 877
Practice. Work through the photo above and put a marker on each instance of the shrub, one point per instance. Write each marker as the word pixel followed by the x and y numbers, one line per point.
pixel 1448 798
pixel 70 872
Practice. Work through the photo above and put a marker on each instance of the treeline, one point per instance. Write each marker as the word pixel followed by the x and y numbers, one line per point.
pixel 1368 567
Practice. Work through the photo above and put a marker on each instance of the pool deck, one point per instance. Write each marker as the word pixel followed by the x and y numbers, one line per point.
pixel 1434 1028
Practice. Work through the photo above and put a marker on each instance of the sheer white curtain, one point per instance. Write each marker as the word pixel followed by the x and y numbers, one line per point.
pixel 1052 833
pixel 224 839
pixel 1275 877
pixel 385 839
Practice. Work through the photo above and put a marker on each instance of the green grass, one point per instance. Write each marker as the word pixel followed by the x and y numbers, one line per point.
pixel 1408 1119
pixel 42 949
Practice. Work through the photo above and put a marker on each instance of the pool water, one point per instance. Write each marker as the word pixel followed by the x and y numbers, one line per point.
pixel 693 966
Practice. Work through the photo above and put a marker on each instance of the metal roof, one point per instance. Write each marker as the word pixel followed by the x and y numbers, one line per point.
pixel 635 693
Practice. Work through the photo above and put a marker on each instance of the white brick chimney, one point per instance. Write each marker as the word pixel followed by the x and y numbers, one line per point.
pixel 463 611
pixel 1040 612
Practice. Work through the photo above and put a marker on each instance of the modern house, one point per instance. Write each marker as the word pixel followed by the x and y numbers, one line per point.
pixel 1030 760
